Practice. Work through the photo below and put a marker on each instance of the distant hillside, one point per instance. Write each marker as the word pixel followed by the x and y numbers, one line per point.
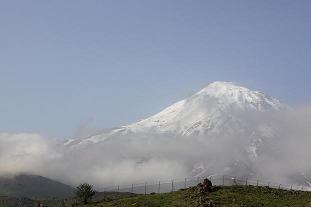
pixel 33 186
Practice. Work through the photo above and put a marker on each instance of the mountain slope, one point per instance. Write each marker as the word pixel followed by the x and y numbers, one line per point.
pixel 33 186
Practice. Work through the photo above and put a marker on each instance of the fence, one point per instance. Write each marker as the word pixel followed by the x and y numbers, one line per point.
pixel 177 184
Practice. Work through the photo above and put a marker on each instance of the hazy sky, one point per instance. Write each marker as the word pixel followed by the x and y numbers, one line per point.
pixel 66 64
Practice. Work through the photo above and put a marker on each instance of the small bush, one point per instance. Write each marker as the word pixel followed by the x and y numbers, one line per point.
pixel 85 192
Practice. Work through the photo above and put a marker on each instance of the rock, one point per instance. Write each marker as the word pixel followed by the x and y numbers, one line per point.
pixel 205 187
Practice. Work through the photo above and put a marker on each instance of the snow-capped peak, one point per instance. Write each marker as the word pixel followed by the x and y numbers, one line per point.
pixel 206 112
pixel 239 95
pixel 219 88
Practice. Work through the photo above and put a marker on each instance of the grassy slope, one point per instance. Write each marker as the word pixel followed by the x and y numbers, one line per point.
pixel 233 196
pixel 260 196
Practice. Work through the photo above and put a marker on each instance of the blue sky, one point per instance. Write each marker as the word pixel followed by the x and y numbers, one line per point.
pixel 67 64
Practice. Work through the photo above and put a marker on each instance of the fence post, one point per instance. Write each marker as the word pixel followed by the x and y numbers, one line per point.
pixel 118 188
pixel 268 184
pixel 280 186
pixel 185 183
pixel 159 186
pixel 172 185
pixel 257 183
pixel 291 187
pixel 132 190
pixel 145 188
pixel 246 181
pixel 223 180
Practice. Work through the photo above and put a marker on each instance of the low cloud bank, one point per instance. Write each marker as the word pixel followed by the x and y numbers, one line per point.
pixel 277 150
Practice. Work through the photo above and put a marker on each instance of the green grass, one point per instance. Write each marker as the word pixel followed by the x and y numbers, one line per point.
pixel 233 196
pixel 259 196
pixel 156 200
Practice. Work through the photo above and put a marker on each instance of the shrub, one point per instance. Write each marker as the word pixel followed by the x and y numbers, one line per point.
pixel 85 192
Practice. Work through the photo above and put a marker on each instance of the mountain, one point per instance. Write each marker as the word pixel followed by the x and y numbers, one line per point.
pixel 223 129
pixel 207 112
pixel 33 186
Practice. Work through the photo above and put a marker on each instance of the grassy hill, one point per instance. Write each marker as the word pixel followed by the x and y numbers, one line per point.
pixel 233 196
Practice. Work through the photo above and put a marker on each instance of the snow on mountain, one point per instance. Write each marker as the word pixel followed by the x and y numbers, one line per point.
pixel 207 112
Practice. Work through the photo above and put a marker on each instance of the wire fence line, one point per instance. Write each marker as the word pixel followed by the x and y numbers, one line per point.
pixel 177 184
